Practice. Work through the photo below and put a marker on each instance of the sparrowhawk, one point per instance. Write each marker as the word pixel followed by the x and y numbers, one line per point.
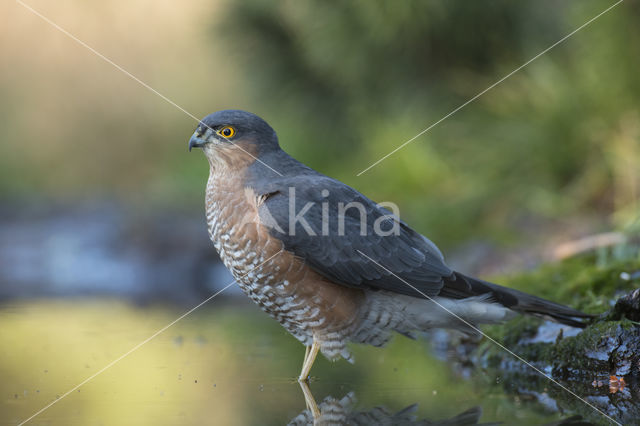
pixel 328 263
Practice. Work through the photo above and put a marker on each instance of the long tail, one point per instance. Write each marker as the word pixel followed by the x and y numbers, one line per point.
pixel 463 286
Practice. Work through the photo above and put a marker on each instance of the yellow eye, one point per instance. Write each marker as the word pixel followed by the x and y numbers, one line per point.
pixel 227 132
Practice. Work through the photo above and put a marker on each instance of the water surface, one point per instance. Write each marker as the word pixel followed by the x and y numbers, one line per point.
pixel 226 363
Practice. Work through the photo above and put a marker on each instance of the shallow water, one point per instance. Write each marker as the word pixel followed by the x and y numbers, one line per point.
pixel 226 363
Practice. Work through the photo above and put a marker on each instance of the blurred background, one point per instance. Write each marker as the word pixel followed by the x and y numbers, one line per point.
pixel 101 205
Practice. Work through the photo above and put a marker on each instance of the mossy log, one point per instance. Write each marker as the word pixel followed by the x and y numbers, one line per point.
pixel 600 363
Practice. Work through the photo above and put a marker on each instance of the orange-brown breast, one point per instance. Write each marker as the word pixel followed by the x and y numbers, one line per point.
pixel 304 302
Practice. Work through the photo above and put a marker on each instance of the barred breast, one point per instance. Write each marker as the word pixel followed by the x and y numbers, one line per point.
pixel 304 302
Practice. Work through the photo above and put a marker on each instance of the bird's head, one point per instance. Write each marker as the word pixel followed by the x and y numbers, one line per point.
pixel 233 131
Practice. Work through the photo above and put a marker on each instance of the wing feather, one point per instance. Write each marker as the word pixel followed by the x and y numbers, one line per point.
pixel 335 254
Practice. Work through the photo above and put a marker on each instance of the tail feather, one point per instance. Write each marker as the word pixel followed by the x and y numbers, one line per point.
pixel 462 286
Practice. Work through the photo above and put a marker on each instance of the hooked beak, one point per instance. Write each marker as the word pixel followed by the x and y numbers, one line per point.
pixel 196 141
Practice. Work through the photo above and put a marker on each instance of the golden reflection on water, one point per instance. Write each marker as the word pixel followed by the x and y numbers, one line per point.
pixel 223 364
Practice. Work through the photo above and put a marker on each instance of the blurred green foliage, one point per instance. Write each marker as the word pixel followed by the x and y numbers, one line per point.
pixel 347 82
pixel 552 151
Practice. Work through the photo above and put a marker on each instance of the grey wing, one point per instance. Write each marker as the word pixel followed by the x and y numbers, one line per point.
pixel 313 218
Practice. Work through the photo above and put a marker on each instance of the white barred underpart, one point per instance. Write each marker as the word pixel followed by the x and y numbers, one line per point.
pixel 380 314
pixel 386 312
pixel 244 259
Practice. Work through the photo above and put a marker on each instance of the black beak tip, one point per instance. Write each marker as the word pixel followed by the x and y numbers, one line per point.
pixel 195 142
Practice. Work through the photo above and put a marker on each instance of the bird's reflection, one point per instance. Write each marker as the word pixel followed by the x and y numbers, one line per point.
pixel 334 411
pixel 340 411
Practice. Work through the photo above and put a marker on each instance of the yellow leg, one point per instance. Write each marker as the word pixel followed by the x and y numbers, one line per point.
pixel 306 354
pixel 309 400
pixel 309 358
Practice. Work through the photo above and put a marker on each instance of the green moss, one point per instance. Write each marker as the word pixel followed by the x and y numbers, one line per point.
pixel 590 283
pixel 578 281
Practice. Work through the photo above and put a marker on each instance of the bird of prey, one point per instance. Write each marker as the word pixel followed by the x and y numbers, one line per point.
pixel 324 260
